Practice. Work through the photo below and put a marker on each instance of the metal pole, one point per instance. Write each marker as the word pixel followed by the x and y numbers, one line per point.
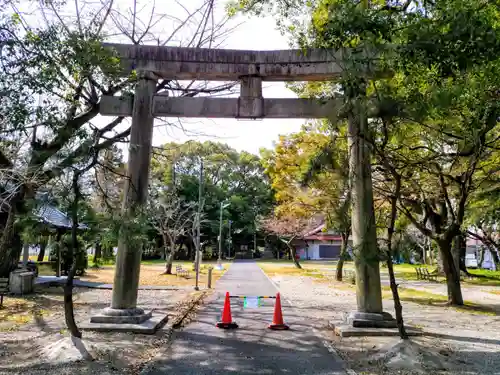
pixel 219 260
pixel 230 241
pixel 255 242
pixel 198 219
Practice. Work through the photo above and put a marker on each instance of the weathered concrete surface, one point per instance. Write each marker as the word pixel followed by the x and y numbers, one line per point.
pixel 121 316
pixel 230 65
pixel 201 107
pixel 346 330
pixel 370 320
pixel 201 348
pixel 251 87
pixel 148 327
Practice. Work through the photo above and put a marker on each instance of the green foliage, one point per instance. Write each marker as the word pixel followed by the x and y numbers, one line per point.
pixel 435 123
pixel 229 176
pixel 64 246
pixel 427 73
pixel 309 174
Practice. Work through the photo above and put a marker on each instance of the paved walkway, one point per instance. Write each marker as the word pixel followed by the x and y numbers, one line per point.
pixel 201 348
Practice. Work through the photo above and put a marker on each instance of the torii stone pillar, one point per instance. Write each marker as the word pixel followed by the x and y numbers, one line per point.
pixel 123 307
pixel 250 68
pixel 366 257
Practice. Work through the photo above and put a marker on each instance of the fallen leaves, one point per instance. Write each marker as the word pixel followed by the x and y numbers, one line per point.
pixel 19 311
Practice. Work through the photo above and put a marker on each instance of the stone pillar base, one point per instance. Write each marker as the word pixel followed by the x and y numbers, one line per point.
pixel 121 316
pixel 371 320
pixel 125 320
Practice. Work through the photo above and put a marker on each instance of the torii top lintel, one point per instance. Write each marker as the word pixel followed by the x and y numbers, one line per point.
pixel 229 64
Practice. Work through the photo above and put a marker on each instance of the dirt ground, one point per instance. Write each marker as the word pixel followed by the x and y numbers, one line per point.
pixel 454 341
pixel 154 275
pixel 29 325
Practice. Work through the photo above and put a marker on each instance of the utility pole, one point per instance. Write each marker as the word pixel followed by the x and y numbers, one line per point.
pixel 255 239
pixel 219 260
pixel 198 224
pixel 230 241
pixel 254 231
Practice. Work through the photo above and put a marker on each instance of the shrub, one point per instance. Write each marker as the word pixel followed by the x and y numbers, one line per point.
pixel 65 245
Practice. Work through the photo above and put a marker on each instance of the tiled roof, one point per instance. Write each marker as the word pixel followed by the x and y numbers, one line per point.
pixel 48 213
pixel 52 216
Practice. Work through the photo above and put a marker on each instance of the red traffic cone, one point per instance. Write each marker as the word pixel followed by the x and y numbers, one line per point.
pixel 227 320
pixel 278 323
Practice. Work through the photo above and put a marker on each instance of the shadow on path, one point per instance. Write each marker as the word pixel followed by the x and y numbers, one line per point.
pixel 201 348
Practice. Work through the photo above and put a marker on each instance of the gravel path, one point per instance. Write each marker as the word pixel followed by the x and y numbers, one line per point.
pixel 21 348
pixel 456 343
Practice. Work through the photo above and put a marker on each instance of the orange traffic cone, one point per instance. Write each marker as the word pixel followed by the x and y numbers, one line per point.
pixel 278 323
pixel 226 321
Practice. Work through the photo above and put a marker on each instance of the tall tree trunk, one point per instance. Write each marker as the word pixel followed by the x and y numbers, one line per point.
pixel 7 251
pixel 440 263
pixel 292 253
pixel 494 254
pixel 10 241
pixel 97 253
pixel 73 250
pixel 179 248
pixel 398 309
pixel 451 272
pixel 463 253
pixel 482 250
pixel 431 252
pixel 190 253
pixel 343 256
pixel 170 260
pixel 459 250
pixel 43 246
pixel 69 314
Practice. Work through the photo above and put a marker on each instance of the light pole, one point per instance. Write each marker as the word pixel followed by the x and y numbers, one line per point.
pixel 198 220
pixel 230 241
pixel 219 260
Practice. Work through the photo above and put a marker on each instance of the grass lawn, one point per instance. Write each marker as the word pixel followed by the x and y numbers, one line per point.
pixel 152 274
pixel 288 268
pixel 34 258
pixel 426 298
pixel 485 277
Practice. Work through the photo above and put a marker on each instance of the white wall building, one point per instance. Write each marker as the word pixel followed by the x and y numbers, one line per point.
pixel 316 245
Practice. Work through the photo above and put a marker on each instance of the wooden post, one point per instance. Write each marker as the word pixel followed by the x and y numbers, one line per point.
pixel 209 282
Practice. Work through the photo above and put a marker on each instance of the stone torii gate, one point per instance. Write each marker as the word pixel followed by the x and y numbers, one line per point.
pixel 250 68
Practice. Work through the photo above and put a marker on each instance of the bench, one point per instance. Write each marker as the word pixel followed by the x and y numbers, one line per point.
pixel 424 274
pixel 4 289
pixel 419 275
pixel 179 271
